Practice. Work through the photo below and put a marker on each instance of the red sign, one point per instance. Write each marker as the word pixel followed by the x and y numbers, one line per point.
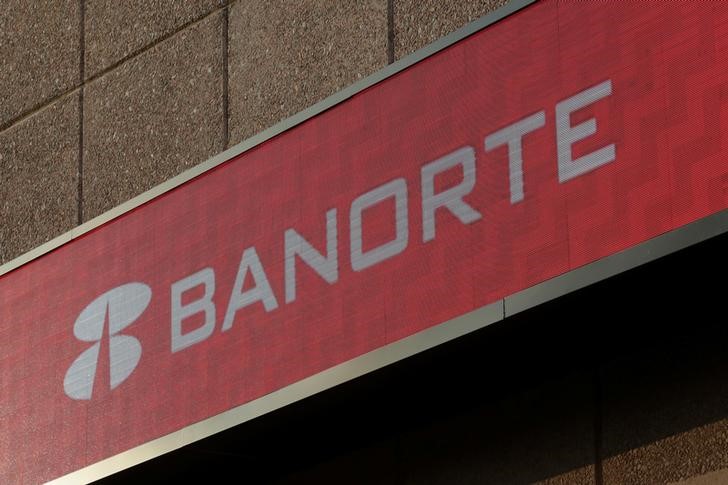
pixel 565 133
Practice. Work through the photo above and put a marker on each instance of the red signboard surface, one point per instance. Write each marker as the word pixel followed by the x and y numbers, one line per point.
pixel 185 307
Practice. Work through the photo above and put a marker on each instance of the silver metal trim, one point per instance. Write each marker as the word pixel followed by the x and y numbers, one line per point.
pixel 287 124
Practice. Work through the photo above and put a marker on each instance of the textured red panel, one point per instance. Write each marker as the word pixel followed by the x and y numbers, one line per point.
pixel 666 116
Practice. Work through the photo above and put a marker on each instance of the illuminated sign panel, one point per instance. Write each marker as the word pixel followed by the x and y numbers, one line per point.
pixel 558 136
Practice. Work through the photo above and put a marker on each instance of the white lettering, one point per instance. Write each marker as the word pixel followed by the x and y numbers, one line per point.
pixel 513 136
pixel 327 267
pixel 396 188
pixel 180 312
pixel 567 135
pixel 260 292
pixel 451 198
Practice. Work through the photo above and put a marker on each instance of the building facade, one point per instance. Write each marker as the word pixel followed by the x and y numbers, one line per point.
pixel 105 100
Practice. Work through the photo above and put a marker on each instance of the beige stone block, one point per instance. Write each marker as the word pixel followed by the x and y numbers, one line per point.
pixel 286 56
pixel 116 29
pixel 39 178
pixel 665 409
pixel 39 53
pixel 153 117
pixel 718 477
pixel 420 22
pixel 683 458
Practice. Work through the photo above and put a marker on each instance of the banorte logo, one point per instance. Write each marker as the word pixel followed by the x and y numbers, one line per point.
pixel 124 304
pixel 118 308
